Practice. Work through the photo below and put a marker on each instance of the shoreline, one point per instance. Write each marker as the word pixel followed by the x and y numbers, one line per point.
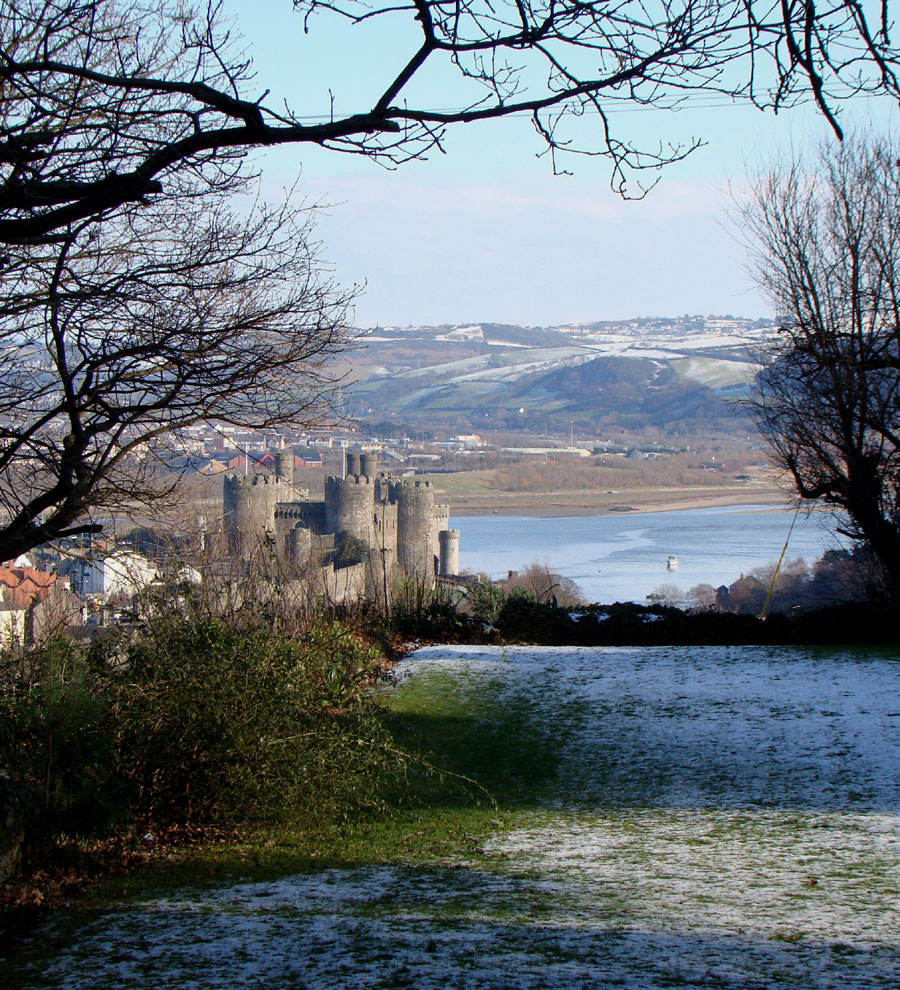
pixel 542 505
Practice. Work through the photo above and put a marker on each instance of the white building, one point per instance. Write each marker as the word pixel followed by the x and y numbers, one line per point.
pixel 120 572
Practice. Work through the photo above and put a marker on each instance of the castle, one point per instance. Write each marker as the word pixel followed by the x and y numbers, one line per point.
pixel 396 520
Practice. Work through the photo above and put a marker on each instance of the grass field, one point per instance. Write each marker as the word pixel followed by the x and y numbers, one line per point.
pixel 667 817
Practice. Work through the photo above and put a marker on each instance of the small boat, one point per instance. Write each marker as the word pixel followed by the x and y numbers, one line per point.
pixel 671 562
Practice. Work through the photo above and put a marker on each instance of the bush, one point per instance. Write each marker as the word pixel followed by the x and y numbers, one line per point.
pixel 351 550
pixel 524 619
pixel 223 724
pixel 191 719
pixel 485 600
pixel 57 747
pixel 438 613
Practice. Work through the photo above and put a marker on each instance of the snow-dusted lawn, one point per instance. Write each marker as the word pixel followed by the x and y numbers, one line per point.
pixel 718 818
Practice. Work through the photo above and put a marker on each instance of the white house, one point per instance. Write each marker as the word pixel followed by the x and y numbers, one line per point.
pixel 105 575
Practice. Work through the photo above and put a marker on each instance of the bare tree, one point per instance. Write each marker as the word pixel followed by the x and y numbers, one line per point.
pixel 827 250
pixel 668 594
pixel 142 308
pixel 545 585
pixel 105 102
pixel 126 332
pixel 702 597
pixel 136 302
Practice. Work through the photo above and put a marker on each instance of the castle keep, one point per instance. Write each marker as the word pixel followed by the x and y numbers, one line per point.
pixel 395 520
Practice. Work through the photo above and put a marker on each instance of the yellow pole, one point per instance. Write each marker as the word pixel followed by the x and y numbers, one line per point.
pixel 765 607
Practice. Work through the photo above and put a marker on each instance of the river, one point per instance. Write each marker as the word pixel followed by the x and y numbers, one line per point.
pixel 622 556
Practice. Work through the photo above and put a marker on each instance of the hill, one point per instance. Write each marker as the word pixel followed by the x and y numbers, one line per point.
pixel 682 373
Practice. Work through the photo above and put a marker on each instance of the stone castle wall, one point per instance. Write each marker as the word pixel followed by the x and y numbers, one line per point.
pixel 349 507
pixel 415 543
pixel 449 552
pixel 440 520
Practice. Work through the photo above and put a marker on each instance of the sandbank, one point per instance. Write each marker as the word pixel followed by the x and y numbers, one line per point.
pixel 602 503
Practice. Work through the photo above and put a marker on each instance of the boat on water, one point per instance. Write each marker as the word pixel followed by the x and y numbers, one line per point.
pixel 671 562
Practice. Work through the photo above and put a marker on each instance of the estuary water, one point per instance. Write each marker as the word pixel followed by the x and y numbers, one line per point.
pixel 622 556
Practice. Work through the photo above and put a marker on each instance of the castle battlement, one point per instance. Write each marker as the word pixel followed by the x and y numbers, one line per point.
pixel 351 479
pixel 253 480
pixel 286 511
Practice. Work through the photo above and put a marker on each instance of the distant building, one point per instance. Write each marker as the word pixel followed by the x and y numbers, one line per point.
pixel 551 451
pixel 31 599
pixel 107 574
pixel 22 586
pixel 747 595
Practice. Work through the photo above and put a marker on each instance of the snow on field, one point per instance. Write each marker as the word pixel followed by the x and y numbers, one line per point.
pixel 711 340
pixel 537 359
pixel 719 817
pixel 716 373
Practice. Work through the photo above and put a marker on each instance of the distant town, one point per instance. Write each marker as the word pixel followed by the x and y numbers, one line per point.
pixel 476 418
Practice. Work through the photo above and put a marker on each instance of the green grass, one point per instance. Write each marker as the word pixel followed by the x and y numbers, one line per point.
pixel 483 760
pixel 462 483
pixel 501 853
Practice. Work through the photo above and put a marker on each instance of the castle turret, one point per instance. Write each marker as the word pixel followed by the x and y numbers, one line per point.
pixel 440 519
pixel 249 503
pixel 415 534
pixel 368 464
pixel 349 507
pixel 380 576
pixel 353 465
pixel 385 490
pixel 449 552
pixel 299 543
pixel 284 464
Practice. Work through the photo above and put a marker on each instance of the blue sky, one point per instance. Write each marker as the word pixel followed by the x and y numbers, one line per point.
pixel 485 232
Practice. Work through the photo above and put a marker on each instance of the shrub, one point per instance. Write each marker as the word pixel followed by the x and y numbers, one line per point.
pixel 240 724
pixel 430 612
pixel 191 719
pixel 524 619
pixel 57 747
pixel 351 550
pixel 485 599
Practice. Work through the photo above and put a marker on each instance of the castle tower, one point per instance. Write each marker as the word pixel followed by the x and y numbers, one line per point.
pixel 440 520
pixel 284 465
pixel 449 552
pixel 384 516
pixel 380 576
pixel 385 490
pixel 299 543
pixel 415 534
pixel 292 530
pixel 368 464
pixel 353 464
pixel 249 504
pixel 349 507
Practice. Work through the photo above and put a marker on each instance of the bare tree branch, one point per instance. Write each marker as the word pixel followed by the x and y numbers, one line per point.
pixel 131 330
pixel 103 101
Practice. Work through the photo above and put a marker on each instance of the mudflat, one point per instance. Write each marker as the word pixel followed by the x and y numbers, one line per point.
pixel 600 503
